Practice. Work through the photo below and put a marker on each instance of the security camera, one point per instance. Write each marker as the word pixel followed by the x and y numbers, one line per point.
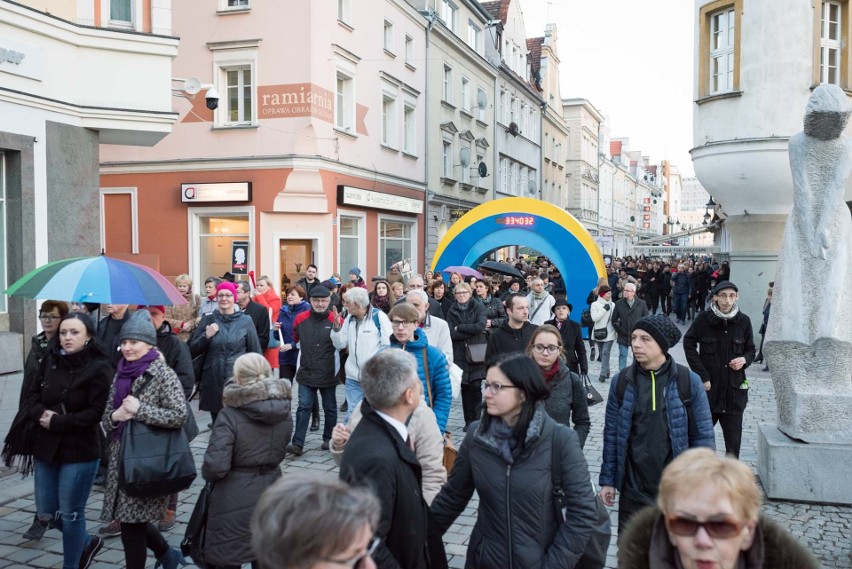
pixel 212 97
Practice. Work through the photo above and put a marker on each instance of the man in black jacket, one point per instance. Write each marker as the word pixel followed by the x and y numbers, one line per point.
pixel 572 337
pixel 378 456
pixel 719 346
pixel 175 351
pixel 626 313
pixel 259 315
pixel 515 333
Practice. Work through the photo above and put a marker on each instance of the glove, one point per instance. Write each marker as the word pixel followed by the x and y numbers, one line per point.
pixel 607 307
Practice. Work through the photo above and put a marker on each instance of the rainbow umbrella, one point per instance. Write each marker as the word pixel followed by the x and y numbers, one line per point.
pixel 98 279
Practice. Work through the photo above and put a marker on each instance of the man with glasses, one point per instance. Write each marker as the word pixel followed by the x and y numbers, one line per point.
pixel 719 346
pixel 318 357
pixel 628 310
pixel 416 283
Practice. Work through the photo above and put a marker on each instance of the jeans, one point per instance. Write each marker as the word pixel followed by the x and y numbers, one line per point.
pixel 307 396
pixel 623 351
pixel 605 348
pixel 680 300
pixel 61 493
pixel 354 395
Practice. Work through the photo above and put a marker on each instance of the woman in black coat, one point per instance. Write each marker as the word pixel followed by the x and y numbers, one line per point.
pixel 248 442
pixel 438 291
pixel 495 310
pixel 466 319
pixel 507 458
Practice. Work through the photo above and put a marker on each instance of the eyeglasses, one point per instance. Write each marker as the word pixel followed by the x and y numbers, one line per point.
pixel 402 323
pixel 495 388
pixel 731 296
pixel 541 348
pixel 721 529
pixel 359 561
pixel 462 292
pixel 49 317
pixel 226 295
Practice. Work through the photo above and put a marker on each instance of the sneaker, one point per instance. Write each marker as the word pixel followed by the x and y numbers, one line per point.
pixel 325 445
pixel 173 559
pixel 95 544
pixel 294 450
pixel 36 530
pixel 168 521
pixel 111 529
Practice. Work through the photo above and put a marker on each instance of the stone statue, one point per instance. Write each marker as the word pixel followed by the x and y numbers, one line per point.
pixel 809 337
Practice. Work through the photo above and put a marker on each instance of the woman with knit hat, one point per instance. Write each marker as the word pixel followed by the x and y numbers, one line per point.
pixel 147 390
pixel 222 337
pixel 355 278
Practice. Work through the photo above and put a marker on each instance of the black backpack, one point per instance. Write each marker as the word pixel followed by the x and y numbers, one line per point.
pixel 628 375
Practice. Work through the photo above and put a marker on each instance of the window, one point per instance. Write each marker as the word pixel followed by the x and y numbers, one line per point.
pixel 473 36
pixel 515 174
pixel 349 246
pixel 831 34
pixel 448 14
pixel 480 96
pixel 719 46
pixel 343 12
pixel 448 84
pixel 504 107
pixel 388 36
pixel 525 175
pixel 504 175
pixel 344 111
pixel 3 236
pixel 237 4
pixel 240 95
pixel 522 118
pixel 395 243
pixel 409 50
pixel 388 120
pixel 121 11
pixel 465 94
pixel 447 160
pixel 216 232
pixel 409 127
pixel 513 110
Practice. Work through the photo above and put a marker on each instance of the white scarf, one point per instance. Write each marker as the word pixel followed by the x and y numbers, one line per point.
pixel 734 311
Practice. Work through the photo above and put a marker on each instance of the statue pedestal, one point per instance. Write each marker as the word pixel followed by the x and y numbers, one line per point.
pixel 793 470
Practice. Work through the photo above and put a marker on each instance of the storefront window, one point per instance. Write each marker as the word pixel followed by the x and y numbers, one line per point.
pixel 394 242
pixel 349 244
pixel 3 239
pixel 216 234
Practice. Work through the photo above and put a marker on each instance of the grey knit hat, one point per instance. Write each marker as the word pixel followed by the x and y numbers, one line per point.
pixel 662 329
pixel 139 327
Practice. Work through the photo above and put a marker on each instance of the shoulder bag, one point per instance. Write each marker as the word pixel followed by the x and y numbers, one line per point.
pixel 474 349
pixel 594 557
pixel 450 452
pixel 602 333
pixel 195 537
pixel 154 461
pixel 593 396
pixel 274 339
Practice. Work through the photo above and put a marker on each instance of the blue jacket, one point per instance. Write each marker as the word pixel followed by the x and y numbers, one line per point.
pixel 439 374
pixel 619 417
pixel 286 316
pixel 682 283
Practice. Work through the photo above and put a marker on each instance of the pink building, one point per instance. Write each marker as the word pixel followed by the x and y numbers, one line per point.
pixel 313 155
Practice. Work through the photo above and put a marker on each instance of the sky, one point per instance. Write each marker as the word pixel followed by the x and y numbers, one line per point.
pixel 634 61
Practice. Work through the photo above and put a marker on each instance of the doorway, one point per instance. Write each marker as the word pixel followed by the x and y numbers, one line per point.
pixel 295 256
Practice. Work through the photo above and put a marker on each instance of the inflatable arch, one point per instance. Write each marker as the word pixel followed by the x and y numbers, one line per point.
pixel 531 223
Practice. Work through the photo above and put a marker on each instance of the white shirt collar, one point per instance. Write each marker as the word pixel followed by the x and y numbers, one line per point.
pixel 398 425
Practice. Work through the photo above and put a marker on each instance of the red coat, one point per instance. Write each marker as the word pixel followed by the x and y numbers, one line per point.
pixel 270 299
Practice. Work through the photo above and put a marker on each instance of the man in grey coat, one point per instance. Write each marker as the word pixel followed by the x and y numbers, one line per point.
pixel 627 312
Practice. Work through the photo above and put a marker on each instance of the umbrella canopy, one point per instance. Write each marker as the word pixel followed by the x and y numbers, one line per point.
pixel 502 268
pixel 98 279
pixel 463 271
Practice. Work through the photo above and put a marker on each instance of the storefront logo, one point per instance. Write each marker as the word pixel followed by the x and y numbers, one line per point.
pixel 295 100
pixel 21 59
pixel 11 56
pixel 223 192
pixel 347 195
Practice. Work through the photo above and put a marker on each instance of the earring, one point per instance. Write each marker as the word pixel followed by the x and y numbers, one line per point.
pixel 86 343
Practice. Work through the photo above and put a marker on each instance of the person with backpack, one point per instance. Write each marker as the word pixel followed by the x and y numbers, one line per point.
pixel 656 410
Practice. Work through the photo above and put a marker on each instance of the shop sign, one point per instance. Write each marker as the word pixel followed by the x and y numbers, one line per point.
pixel 347 195
pixel 239 257
pixel 223 192
pixel 21 59
pixel 457 213
pixel 295 100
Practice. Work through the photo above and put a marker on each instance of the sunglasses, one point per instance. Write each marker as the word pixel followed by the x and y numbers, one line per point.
pixel 721 529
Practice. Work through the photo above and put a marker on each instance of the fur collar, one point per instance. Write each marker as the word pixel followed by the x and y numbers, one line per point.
pixel 268 388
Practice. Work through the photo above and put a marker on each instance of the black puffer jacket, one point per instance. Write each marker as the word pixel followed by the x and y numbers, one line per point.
pixel 494 311
pixel 467 325
pixel 176 354
pixel 248 442
pixel 313 332
pixel 236 336
pixel 710 344
pixel 75 387
pixel 568 402
pixel 516 526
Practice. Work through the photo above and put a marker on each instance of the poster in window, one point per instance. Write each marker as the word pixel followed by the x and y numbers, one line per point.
pixel 239 257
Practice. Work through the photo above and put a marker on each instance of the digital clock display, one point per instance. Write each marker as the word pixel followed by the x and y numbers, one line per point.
pixel 517 220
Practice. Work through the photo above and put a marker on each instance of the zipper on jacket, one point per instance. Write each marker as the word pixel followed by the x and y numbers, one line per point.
pixel 509 511
pixel 653 392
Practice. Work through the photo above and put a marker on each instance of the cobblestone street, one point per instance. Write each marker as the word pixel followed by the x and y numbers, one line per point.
pixel 827 530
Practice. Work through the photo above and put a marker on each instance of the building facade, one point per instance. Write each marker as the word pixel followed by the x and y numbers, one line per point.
pixel 72 81
pixel 314 157
pixel 583 163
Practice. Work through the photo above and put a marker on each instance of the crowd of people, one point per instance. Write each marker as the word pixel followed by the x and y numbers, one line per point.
pixel 403 347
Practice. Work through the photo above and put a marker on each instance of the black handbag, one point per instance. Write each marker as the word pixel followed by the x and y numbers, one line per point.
pixel 20 443
pixel 594 556
pixel 195 537
pixel 586 319
pixel 474 350
pixel 602 333
pixel 593 396
pixel 190 426
pixel 154 461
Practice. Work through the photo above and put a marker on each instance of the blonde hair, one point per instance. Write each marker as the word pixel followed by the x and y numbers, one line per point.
pixel 263 278
pixel 184 278
pixel 700 466
pixel 250 368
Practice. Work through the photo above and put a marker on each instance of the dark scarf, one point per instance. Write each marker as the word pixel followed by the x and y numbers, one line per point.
pixel 504 438
pixel 382 302
pixel 124 376
pixel 550 374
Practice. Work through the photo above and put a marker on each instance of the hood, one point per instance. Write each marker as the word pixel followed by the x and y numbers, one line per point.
pixel 265 401
pixel 533 429
pixel 164 330
pixel 505 326
pixel 229 317
pixel 418 343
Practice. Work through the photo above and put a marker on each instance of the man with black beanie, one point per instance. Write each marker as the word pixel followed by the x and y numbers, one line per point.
pixel 649 421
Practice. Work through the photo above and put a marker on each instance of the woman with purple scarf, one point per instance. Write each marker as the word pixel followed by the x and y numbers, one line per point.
pixel 146 389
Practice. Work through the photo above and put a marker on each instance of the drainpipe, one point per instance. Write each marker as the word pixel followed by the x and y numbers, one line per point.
pixel 430 16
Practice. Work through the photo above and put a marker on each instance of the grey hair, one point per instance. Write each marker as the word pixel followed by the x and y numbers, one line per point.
pixel 631 286
pixel 358 295
pixel 386 376
pixel 245 286
pixel 421 294
pixel 301 520
pixel 417 276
